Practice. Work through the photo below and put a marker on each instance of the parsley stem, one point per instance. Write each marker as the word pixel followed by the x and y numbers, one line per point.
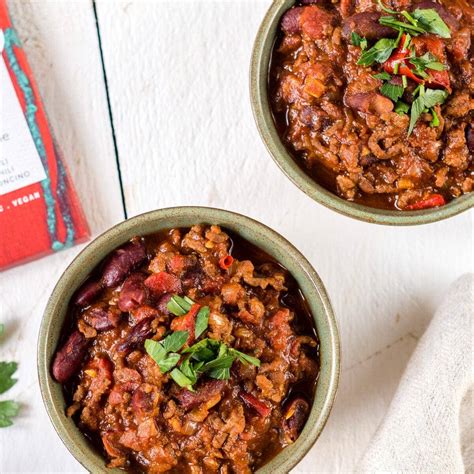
pixel 385 9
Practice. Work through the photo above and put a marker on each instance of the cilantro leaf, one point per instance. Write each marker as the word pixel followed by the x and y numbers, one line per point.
pixel 202 320
pixel 435 120
pixel 379 52
pixel 155 350
pixel 175 341
pixel 383 76
pixel 401 108
pixel 169 362
pixel 190 370
pixel 220 374
pixel 417 108
pixel 431 22
pixel 357 40
pixel 434 97
pixel 245 358
pixel 179 306
pixel 181 379
pixel 8 410
pixel 7 369
pixel 401 26
pixel 392 91
pixel 427 61
pixel 224 362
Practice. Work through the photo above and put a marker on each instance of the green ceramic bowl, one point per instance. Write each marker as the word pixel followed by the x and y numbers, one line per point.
pixel 259 70
pixel 256 233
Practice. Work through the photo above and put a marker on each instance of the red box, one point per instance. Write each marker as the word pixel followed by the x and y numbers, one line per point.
pixel 39 209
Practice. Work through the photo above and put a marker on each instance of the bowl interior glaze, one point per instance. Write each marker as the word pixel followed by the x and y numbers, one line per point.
pixel 259 70
pixel 251 230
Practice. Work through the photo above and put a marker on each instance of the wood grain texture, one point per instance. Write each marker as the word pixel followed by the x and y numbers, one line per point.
pixel 178 79
pixel 60 39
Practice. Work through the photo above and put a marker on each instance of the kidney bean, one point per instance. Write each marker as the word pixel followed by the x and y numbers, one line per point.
pixel 207 390
pixel 369 103
pixel 133 293
pixel 87 292
pixel 253 402
pixel 366 25
pixel 136 337
pixel 290 21
pixel 69 358
pixel 102 319
pixel 294 418
pixel 470 137
pixel 122 261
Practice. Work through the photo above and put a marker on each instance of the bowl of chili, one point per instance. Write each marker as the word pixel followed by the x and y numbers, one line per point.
pixel 365 112
pixel 79 311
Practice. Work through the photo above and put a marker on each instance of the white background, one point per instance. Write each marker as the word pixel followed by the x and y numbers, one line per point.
pixel 178 81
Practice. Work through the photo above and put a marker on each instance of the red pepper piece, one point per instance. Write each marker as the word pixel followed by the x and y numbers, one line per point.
pixel 400 56
pixel 439 79
pixel 187 322
pixel 163 282
pixel 226 262
pixel 253 402
pixel 434 200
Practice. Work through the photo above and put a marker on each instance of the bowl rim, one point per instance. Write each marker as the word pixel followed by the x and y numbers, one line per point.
pixel 259 71
pixel 282 462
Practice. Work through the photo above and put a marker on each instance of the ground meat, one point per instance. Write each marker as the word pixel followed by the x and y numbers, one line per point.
pixel 141 419
pixel 335 121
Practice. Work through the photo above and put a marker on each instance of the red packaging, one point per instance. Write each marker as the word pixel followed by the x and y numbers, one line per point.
pixel 39 210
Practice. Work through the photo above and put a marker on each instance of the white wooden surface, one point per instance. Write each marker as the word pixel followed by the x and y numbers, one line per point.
pixel 178 82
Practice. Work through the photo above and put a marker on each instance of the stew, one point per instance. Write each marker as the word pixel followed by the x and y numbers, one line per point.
pixel 374 99
pixel 189 351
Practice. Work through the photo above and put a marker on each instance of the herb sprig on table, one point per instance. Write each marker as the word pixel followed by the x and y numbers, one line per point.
pixel 206 357
pixel 397 55
pixel 8 408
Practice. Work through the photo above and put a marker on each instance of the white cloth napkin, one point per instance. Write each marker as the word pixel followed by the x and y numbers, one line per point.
pixel 429 426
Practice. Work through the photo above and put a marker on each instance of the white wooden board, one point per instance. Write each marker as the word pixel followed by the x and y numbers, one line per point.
pixel 178 78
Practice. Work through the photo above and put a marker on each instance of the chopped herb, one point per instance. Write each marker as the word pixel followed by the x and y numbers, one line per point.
pixel 427 61
pixel 383 76
pixel 401 108
pixel 435 120
pixel 222 362
pixel 380 52
pixel 404 82
pixel 434 97
pixel 426 100
pixel 7 369
pixel 359 41
pixel 181 379
pixel 179 306
pixel 396 67
pixel 202 320
pixel 431 22
pixel 175 341
pixel 220 373
pixel 245 358
pixel 164 352
pixel 417 108
pixel 392 91
pixel 385 9
pixel 401 26
pixel 169 362
pixel 8 410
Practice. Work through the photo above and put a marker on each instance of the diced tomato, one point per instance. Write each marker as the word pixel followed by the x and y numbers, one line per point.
pixel 176 264
pixel 100 367
pixel 187 322
pixel 434 200
pixel 163 282
pixel 253 402
pixel 144 312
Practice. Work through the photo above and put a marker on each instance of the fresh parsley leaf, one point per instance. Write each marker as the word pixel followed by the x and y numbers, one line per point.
pixel 434 97
pixel 202 320
pixel 401 108
pixel 431 22
pixel 417 108
pixel 7 369
pixel 385 9
pixel 435 120
pixel 383 76
pixel 8 410
pixel 181 379
pixel 224 362
pixel 404 82
pixel 169 362
pixel 427 61
pixel 392 91
pixel 220 374
pixel 401 26
pixel 358 41
pixel 190 370
pixel 245 358
pixel 179 306
pixel 175 341
pixel 379 52
pixel 155 350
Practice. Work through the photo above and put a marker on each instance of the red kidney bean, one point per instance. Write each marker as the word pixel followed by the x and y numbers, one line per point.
pixel 102 319
pixel 137 336
pixel 207 390
pixel 87 292
pixel 367 25
pixel 133 293
pixel 122 261
pixel 470 137
pixel 69 358
pixel 290 22
pixel 369 103
pixel 253 402
pixel 294 418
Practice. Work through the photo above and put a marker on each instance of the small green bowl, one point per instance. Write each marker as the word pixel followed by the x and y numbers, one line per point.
pixel 259 70
pixel 256 233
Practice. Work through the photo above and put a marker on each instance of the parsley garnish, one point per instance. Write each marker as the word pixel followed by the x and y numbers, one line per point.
pixel 179 306
pixel 202 320
pixel 359 41
pixel 392 91
pixel 427 61
pixel 383 76
pixel 379 52
pixel 401 108
pixel 431 22
pixel 8 408
pixel 426 100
